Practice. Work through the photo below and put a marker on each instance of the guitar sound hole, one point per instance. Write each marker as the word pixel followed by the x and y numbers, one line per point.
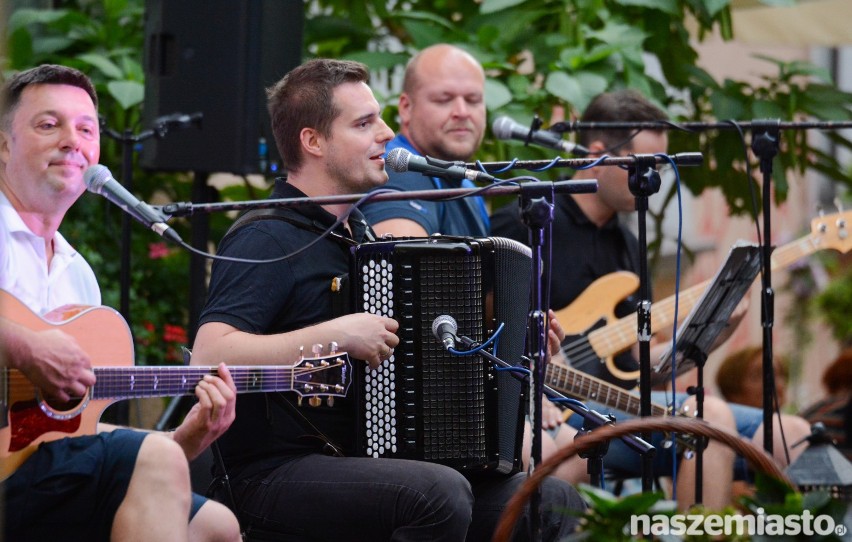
pixel 62 410
pixel 62 407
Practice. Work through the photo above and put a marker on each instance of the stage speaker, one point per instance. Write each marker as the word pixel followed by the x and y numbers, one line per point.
pixel 217 57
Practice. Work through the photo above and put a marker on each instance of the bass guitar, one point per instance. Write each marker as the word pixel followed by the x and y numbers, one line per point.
pixel 596 335
pixel 30 418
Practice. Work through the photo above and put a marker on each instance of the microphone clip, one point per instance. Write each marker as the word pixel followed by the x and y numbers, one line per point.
pixel 443 164
pixel 535 126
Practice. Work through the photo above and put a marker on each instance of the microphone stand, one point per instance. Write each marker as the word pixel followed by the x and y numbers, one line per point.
pixel 561 187
pixel 644 180
pixel 129 142
pixel 536 203
pixel 764 144
pixel 189 208
pixel 765 140
pixel 592 419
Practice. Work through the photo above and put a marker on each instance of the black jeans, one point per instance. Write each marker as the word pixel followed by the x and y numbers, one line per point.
pixel 319 497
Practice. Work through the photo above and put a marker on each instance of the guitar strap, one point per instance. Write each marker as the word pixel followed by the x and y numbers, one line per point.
pixel 339 286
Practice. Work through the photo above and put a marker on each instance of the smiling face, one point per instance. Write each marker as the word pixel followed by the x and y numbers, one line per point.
pixel 52 138
pixel 353 151
pixel 443 111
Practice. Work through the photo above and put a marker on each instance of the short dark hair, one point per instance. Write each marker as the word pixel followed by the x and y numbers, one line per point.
pixel 46 74
pixel 625 105
pixel 305 98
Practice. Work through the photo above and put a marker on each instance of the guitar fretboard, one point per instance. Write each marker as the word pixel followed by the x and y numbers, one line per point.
pixel 137 382
pixel 573 382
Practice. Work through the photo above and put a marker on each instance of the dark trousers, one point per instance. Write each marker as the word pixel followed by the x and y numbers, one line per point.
pixel 319 497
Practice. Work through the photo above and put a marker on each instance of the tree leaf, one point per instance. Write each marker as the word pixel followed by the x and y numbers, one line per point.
pixel 496 94
pixel 25 17
pixel 564 86
pixel 378 60
pixel 490 6
pixel 51 45
pixel 666 6
pixel 127 93
pixel 103 63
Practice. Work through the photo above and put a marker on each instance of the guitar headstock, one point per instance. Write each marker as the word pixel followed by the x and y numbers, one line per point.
pixel 322 376
pixel 833 230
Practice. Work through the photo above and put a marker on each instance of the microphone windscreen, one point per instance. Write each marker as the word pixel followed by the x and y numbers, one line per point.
pixel 502 127
pixel 95 177
pixel 397 159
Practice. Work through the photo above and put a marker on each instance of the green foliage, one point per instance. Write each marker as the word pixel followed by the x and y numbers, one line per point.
pixel 546 55
pixel 835 306
pixel 608 516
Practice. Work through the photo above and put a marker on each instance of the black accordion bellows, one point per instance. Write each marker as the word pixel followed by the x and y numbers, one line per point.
pixel 426 403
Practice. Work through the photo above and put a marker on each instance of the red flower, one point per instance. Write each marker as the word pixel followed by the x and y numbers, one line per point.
pixel 158 250
pixel 172 333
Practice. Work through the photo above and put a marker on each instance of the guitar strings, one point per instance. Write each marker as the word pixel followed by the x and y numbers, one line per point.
pixel 249 377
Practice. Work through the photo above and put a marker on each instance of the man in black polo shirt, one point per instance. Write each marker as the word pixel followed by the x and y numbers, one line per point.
pixel 293 470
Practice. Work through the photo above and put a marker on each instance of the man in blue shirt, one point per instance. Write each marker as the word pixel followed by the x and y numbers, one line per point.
pixel 442 114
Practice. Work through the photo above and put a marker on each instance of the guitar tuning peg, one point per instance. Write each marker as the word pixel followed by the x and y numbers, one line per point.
pixel 329 401
pixel 299 401
pixel 315 401
pixel 302 352
pixel 317 350
pixel 332 347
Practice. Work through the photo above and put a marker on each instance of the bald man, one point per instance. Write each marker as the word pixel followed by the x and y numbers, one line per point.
pixel 442 114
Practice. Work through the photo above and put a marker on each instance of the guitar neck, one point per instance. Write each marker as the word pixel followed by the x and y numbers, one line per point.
pixel 158 381
pixel 621 335
pixel 578 384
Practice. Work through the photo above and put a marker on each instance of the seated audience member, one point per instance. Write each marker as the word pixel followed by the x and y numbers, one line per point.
pixel 833 410
pixel 118 484
pixel 740 377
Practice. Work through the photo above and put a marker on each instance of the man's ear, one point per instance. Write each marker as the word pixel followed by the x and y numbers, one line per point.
pixel 597 147
pixel 404 107
pixel 312 141
pixel 5 142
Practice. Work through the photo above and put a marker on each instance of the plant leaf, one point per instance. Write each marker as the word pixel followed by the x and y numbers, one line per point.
pixel 127 93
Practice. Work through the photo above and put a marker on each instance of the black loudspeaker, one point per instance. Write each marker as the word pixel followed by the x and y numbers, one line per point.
pixel 217 57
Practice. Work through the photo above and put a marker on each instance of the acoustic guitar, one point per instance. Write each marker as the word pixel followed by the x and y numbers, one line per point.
pixel 30 419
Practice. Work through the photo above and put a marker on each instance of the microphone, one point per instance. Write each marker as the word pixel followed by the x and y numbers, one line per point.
pixel 100 181
pixel 506 128
pixel 444 329
pixel 400 160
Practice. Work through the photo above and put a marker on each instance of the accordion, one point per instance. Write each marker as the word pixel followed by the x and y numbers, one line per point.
pixel 426 403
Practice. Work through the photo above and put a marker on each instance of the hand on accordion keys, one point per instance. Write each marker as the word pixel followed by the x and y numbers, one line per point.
pixel 366 336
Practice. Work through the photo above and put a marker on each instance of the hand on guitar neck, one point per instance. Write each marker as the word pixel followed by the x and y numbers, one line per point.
pixel 210 416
